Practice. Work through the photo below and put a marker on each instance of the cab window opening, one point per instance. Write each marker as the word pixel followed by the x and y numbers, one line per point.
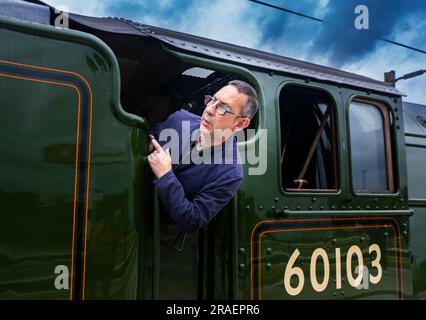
pixel 177 86
pixel 308 140
pixel 154 83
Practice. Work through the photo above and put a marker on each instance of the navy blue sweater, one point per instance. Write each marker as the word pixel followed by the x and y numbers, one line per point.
pixel 192 194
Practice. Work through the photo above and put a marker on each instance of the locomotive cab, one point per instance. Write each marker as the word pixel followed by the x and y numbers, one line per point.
pixel 155 82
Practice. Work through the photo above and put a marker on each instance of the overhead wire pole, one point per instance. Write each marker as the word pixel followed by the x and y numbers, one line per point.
pixel 322 21
pixel 411 75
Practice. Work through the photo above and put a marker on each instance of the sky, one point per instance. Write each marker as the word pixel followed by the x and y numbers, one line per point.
pixel 335 42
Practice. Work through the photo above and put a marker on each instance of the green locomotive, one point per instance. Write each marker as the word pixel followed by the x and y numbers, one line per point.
pixel 336 211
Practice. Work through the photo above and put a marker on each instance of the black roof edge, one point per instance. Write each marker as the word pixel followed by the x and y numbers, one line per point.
pixel 270 61
pixel 415 104
pixel 233 53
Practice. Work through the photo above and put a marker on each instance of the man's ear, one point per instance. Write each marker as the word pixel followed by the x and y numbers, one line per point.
pixel 243 123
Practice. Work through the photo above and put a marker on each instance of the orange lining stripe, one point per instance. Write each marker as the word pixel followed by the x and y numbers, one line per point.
pixel 76 159
pixel 313 229
pixel 323 219
pixel 89 151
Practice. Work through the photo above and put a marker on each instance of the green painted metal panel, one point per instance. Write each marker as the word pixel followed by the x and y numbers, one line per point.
pixel 37 152
pixel 72 168
pixel 261 199
pixel 416 155
pixel 417 230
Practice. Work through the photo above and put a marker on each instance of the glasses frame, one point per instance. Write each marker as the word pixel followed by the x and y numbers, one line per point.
pixel 208 100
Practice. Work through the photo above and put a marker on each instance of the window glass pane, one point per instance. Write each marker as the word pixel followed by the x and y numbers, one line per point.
pixel 308 159
pixel 367 148
pixel 416 172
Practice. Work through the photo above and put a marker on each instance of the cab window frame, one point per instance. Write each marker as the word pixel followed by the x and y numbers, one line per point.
pixel 334 138
pixel 389 146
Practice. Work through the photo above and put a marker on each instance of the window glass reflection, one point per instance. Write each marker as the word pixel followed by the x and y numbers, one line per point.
pixel 367 148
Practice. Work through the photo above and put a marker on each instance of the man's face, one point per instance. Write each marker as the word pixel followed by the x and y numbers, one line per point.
pixel 229 123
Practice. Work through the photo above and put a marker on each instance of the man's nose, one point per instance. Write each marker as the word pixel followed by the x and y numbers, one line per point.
pixel 211 109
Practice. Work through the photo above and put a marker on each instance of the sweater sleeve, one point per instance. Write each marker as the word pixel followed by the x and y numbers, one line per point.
pixel 195 214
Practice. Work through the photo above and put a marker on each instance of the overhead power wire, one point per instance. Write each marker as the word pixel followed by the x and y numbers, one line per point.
pixel 286 10
pixel 402 45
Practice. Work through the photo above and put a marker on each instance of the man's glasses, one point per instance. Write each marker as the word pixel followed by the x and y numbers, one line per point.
pixel 221 108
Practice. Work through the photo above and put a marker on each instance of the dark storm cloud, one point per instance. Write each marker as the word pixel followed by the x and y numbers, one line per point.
pixel 278 26
pixel 343 43
pixel 336 38
pixel 174 11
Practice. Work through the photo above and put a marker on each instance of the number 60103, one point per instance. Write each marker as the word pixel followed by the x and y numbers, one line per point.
pixel 293 271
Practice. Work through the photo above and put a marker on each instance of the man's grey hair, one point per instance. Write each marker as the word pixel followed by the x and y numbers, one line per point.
pixel 252 105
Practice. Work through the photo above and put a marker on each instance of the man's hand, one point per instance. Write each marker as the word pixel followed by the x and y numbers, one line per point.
pixel 159 160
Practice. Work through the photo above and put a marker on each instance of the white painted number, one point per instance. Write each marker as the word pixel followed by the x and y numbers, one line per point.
pixel 354 282
pixel 338 269
pixel 319 286
pixel 376 264
pixel 291 271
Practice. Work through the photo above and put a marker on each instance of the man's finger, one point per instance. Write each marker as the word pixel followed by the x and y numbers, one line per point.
pixel 156 145
pixel 152 156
